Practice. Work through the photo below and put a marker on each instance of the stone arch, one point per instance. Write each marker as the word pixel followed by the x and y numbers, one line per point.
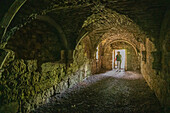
pixel 51 22
pixel 126 41
pixel 56 26
pixel 9 16
pixel 7 19
pixel 83 36
pixel 38 40
pixel 107 23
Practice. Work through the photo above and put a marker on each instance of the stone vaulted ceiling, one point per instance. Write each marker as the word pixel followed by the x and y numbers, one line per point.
pixel 70 15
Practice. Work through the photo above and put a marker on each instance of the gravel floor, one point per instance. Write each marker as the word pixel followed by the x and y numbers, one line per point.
pixel 110 92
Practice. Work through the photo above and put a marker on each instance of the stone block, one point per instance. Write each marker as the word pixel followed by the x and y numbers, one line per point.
pixel 47 67
pixel 62 53
pixel 32 65
pixel 19 66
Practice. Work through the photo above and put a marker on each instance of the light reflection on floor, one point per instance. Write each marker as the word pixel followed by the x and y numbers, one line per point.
pixel 123 74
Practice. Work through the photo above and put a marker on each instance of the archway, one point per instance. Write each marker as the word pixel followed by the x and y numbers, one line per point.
pixel 105 30
pixel 109 28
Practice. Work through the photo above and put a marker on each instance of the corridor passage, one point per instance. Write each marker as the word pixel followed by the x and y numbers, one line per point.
pixel 110 92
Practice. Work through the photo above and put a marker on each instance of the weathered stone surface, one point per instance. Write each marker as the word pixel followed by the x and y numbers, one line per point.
pixel 22 81
pixel 40 42
pixel 32 65
pixel 30 81
pixel 165 61
pixel 153 77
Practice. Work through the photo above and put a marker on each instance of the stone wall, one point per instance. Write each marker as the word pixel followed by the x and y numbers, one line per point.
pixel 157 80
pixel 155 65
pixel 21 82
pixel 165 67
pixel 23 87
pixel 96 63
pixel 133 59
pixel 37 40
pixel 107 59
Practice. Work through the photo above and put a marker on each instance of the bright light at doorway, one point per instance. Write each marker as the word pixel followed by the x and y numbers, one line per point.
pixel 123 54
pixel 97 53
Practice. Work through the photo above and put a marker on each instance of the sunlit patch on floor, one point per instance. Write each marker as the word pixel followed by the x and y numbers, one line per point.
pixel 123 75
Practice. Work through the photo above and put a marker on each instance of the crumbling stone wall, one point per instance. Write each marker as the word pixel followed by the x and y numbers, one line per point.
pixel 23 87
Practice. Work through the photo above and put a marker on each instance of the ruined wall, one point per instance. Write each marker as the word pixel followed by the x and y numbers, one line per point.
pixel 23 87
pixel 155 65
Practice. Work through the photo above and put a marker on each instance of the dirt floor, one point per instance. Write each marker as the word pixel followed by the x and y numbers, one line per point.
pixel 110 92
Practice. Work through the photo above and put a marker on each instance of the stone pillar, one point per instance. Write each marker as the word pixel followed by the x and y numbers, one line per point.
pixel 70 55
pixel 63 55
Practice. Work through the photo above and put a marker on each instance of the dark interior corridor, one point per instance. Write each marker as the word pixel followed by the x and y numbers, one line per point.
pixel 50 46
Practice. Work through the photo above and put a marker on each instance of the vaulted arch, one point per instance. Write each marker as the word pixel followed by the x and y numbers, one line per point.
pixel 126 41
pixel 108 26
pixel 53 23
pixel 7 19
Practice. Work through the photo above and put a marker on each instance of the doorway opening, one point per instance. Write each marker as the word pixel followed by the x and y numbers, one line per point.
pixel 124 57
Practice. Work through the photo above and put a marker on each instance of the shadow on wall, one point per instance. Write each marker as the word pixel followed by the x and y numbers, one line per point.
pixel 24 87
pixel 36 41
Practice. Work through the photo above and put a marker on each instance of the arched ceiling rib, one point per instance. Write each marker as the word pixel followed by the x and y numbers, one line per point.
pixel 56 26
pixel 7 19
pixel 126 41
pixel 122 36
pixel 148 14
pixel 111 25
